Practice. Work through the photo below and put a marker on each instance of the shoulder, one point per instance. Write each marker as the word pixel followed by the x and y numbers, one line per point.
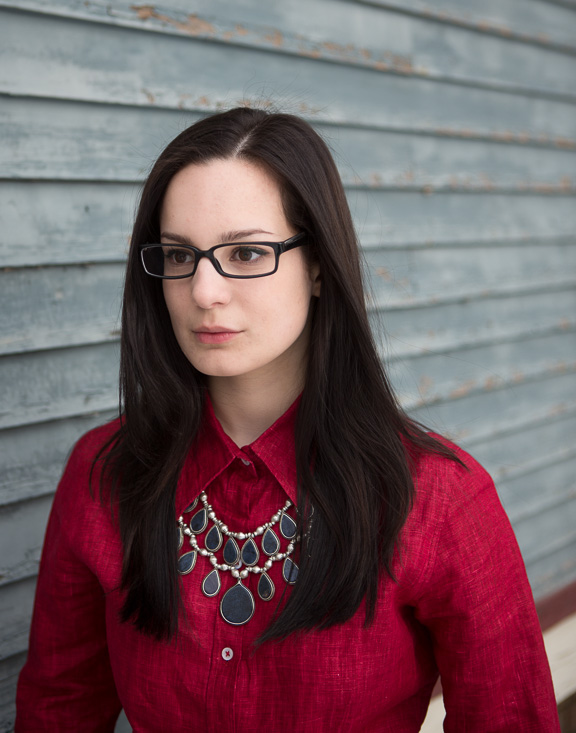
pixel 446 481
pixel 456 512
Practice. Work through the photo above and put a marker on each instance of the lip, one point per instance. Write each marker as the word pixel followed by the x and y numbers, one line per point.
pixel 214 334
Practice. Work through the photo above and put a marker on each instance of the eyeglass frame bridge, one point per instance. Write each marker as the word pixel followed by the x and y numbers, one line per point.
pixel 278 247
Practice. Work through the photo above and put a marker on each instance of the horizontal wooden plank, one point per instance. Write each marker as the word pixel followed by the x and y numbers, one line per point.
pixel 357 35
pixel 552 487
pixel 9 671
pixel 544 22
pixel 476 416
pixel 23 528
pixel 393 216
pixel 33 456
pixel 16 603
pixel 450 326
pixel 532 22
pixel 398 278
pixel 519 461
pixel 59 306
pixel 548 539
pixel 49 385
pixel 118 70
pixel 46 223
pixel 63 140
pixel 430 378
pixel 551 572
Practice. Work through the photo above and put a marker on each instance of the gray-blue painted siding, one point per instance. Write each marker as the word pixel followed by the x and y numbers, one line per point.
pixel 454 128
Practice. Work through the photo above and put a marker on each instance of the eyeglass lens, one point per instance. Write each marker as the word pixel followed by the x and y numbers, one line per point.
pixel 243 260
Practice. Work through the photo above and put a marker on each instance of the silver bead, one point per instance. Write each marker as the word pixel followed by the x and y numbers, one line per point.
pixel 203 552
pixel 187 532
pixel 259 531
pixel 241 536
pixel 224 528
pixel 213 560
pixel 268 564
pixel 275 518
pixel 235 574
pixel 211 515
pixel 244 573
pixel 290 547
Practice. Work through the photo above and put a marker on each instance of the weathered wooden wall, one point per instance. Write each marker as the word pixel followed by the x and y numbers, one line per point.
pixel 454 124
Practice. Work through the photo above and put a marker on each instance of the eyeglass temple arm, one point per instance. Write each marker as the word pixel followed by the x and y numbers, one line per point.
pixel 292 243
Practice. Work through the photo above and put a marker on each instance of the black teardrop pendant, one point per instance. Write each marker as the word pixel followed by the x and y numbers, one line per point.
pixel 186 562
pixel 290 571
pixel 192 506
pixel 231 552
pixel 211 584
pixel 250 553
pixel 213 539
pixel 265 587
pixel 199 521
pixel 270 542
pixel 237 605
pixel 180 537
pixel 287 526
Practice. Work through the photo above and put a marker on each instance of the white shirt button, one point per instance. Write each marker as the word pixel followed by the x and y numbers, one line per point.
pixel 227 654
pixel 245 462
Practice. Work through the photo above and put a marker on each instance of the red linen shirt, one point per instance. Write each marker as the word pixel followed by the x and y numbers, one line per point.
pixel 461 607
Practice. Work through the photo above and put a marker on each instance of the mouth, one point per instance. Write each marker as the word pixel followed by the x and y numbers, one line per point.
pixel 214 335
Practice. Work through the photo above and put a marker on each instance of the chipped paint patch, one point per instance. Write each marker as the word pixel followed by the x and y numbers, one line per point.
pixel 463 389
pixel 193 25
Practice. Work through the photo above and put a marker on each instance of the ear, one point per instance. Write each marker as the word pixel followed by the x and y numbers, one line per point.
pixel 315 279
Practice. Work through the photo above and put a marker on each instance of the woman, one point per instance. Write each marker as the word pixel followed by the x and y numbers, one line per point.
pixel 333 558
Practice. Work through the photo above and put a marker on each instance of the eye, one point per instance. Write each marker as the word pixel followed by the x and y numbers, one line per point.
pixel 248 254
pixel 176 256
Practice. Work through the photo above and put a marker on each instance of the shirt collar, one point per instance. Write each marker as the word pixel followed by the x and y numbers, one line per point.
pixel 213 451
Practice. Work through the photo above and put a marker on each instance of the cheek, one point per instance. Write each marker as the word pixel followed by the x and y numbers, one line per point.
pixel 173 301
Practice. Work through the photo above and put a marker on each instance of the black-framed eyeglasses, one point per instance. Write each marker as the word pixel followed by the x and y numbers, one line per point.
pixel 241 260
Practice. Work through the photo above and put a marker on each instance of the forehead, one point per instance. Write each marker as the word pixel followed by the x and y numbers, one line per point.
pixel 228 193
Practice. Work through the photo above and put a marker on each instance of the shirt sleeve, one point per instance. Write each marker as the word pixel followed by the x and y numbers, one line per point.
pixel 479 609
pixel 66 683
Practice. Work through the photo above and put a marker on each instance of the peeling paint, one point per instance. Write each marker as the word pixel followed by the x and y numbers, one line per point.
pixel 149 96
pixel 425 384
pixel 491 383
pixel 384 273
pixel 194 25
pixel 276 39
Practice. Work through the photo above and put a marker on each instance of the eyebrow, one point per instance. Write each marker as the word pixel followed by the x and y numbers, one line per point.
pixel 224 238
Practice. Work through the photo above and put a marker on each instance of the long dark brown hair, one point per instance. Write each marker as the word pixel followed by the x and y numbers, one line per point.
pixel 349 426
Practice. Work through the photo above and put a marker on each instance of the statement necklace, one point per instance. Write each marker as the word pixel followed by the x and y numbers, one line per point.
pixel 237 604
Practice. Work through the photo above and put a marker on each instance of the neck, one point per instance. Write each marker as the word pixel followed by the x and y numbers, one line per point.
pixel 247 407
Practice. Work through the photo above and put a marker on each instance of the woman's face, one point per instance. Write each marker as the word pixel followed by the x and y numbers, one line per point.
pixel 237 328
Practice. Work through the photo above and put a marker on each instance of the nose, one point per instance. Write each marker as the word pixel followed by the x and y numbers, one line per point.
pixel 209 288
